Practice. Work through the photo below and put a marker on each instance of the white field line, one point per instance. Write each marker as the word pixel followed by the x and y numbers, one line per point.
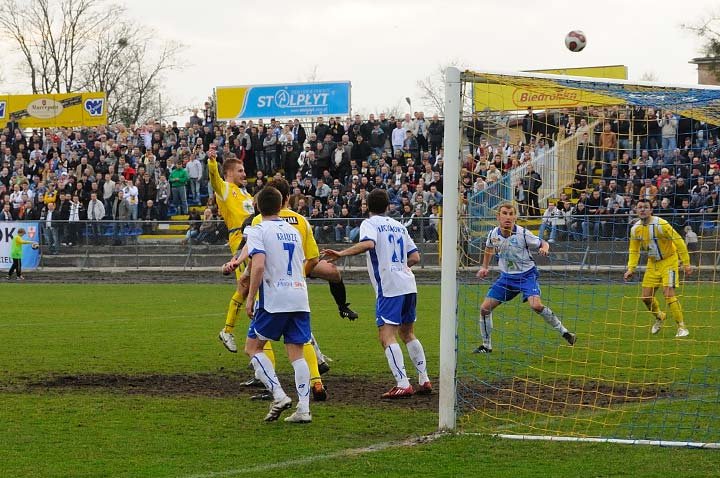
pixel 346 453
pixel 104 321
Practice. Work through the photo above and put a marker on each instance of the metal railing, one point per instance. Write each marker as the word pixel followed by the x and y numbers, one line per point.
pixel 196 244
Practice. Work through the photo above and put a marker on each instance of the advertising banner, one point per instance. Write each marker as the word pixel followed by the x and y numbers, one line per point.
pixel 615 72
pixel 282 101
pixel 30 256
pixel 54 111
pixel 543 95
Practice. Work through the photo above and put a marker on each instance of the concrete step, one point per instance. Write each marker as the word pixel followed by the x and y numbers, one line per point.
pixel 178 227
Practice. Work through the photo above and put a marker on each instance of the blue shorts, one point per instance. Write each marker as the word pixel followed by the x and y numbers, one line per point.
pixel 294 327
pixel 395 310
pixel 510 285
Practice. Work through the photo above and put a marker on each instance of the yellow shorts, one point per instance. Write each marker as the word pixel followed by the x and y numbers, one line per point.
pixel 662 273
pixel 234 243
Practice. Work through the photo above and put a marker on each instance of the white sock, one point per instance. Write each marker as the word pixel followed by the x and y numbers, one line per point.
pixel 417 355
pixel 265 371
pixel 486 326
pixel 552 320
pixel 394 355
pixel 302 384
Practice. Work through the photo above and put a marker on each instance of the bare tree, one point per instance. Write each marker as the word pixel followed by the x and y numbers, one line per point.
pixel 649 76
pixel 124 64
pixel 312 75
pixel 86 45
pixel 51 35
pixel 432 87
pixel 708 30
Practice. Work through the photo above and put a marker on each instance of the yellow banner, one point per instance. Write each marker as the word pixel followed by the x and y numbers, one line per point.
pixel 541 95
pixel 616 72
pixel 52 111
pixel 230 101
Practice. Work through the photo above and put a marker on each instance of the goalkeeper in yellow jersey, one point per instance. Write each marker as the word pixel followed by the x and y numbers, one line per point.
pixel 665 250
pixel 235 205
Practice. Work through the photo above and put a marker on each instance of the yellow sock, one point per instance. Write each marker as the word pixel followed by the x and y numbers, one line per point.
pixel 269 352
pixel 311 359
pixel 673 304
pixel 233 311
pixel 655 308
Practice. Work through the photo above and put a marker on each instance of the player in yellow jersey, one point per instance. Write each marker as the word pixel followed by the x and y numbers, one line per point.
pixel 665 249
pixel 314 268
pixel 235 205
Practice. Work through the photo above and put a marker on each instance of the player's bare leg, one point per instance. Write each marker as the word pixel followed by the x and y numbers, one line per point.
pixel 486 325
pixel 417 355
pixel 550 318
pixel 328 271
pixel 387 335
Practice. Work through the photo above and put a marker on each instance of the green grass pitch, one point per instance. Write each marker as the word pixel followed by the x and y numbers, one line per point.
pixel 69 354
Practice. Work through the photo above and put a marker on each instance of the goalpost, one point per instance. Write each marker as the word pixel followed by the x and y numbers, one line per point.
pixel 620 382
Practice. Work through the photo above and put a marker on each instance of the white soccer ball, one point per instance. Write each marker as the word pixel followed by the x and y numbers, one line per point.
pixel 575 41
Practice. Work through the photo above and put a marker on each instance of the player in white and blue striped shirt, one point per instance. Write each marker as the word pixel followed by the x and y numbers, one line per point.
pixel 391 253
pixel 278 304
pixel 512 245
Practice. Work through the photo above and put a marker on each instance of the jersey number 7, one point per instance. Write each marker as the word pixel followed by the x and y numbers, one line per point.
pixel 290 248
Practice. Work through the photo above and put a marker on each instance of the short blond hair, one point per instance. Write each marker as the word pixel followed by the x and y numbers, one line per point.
pixel 506 205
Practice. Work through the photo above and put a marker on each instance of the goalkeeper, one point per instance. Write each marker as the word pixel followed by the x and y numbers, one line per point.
pixel 665 249
pixel 235 205
pixel 512 244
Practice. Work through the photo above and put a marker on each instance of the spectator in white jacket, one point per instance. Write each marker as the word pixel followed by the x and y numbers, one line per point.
pixel 669 127
pixel 195 169
pixel 397 137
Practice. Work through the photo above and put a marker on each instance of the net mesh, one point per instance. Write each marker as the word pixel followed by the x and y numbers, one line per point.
pixel 604 145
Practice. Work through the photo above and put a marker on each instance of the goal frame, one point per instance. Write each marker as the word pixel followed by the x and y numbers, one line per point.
pixel 447 412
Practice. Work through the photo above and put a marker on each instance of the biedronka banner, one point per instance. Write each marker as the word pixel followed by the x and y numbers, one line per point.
pixel 54 110
pixel 538 94
pixel 30 256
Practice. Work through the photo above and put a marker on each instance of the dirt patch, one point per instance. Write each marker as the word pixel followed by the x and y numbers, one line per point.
pixel 558 396
pixel 343 390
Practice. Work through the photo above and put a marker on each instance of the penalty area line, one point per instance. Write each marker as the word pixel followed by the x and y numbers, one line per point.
pixel 346 453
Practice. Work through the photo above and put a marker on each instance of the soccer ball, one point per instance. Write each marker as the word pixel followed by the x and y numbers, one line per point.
pixel 35 246
pixel 575 41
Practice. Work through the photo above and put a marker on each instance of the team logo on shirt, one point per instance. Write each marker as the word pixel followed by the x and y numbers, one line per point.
pixel 248 206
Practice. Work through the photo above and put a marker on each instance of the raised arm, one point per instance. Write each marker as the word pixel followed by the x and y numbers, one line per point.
pixel 218 183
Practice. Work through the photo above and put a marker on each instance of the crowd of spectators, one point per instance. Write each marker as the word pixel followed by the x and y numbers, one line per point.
pixel 622 154
pixel 78 181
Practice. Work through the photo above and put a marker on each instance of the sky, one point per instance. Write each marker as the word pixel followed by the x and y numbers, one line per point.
pixel 385 47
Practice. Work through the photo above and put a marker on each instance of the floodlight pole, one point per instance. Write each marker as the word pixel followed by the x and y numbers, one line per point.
pixel 448 287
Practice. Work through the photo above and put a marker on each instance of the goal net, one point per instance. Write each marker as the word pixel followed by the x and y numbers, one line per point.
pixel 574 155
